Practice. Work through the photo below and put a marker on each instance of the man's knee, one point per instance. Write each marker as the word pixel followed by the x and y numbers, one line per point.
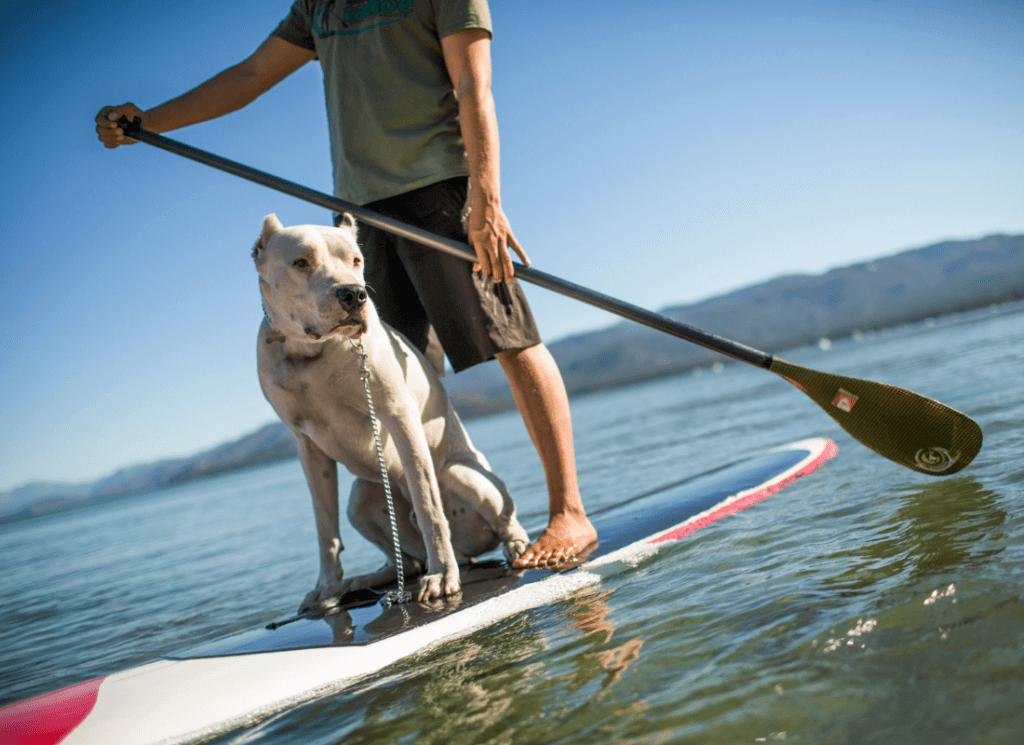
pixel 515 352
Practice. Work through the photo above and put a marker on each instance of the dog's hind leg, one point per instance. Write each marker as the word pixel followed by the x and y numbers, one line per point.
pixel 472 534
pixel 368 513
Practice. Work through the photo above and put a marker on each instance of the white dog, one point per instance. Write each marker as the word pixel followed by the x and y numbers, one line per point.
pixel 449 504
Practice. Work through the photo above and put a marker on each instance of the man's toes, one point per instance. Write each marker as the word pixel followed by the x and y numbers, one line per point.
pixel 527 560
pixel 537 556
pixel 535 559
pixel 554 558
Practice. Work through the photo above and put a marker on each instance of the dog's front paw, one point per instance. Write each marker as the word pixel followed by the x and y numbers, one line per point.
pixel 319 601
pixel 515 548
pixel 434 586
pixel 514 540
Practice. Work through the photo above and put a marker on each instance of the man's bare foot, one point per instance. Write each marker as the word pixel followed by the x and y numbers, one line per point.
pixel 565 536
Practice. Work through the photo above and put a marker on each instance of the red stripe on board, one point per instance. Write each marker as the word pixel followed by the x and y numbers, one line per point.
pixel 48 719
pixel 749 500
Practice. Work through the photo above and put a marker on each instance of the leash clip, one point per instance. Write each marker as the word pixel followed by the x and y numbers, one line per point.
pixel 357 349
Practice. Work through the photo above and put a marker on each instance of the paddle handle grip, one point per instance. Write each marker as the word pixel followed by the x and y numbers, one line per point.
pixel 656 321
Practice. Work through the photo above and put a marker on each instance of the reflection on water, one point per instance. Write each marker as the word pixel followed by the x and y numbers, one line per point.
pixel 953 524
pixel 940 526
pixel 467 686
pixel 589 614
pixel 467 690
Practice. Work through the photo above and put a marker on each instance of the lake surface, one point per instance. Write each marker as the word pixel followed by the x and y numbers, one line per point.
pixel 864 604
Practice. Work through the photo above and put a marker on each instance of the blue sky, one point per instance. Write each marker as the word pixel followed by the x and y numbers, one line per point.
pixel 660 152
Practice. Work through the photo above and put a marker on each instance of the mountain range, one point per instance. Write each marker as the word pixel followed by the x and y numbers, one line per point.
pixel 781 313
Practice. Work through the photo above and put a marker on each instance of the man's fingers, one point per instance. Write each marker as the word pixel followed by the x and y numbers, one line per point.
pixel 494 244
pixel 509 270
pixel 110 135
pixel 496 259
pixel 110 132
pixel 514 244
pixel 499 264
pixel 109 115
pixel 497 271
pixel 483 262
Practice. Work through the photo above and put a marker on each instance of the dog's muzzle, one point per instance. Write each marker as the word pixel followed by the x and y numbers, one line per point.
pixel 351 297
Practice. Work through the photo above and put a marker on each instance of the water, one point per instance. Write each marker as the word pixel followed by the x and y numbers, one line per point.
pixel 863 604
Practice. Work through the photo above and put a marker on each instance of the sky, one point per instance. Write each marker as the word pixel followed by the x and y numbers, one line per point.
pixel 661 152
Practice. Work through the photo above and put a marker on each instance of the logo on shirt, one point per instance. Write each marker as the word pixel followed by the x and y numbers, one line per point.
pixel 356 17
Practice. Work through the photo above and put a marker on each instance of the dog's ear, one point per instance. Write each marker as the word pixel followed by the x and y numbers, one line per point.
pixel 270 226
pixel 346 221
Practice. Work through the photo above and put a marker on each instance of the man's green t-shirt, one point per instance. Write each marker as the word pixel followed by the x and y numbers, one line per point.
pixel 391 106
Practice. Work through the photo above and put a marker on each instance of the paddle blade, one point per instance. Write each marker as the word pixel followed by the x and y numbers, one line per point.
pixel 907 428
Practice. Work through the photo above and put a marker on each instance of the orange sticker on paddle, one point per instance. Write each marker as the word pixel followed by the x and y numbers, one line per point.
pixel 844 400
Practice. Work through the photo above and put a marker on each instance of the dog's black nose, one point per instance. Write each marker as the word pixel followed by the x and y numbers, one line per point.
pixel 351 297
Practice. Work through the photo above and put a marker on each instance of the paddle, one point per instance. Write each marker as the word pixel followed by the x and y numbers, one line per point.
pixel 905 427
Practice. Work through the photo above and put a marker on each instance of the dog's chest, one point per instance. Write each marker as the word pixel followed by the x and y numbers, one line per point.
pixel 323 398
pixel 324 390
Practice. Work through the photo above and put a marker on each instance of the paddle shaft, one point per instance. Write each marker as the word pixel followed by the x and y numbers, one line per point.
pixel 455 248
pixel 901 425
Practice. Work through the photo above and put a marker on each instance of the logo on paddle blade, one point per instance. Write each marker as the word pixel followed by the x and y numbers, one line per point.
pixel 844 400
pixel 935 460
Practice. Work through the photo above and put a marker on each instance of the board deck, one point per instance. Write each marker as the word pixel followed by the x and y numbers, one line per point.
pixel 216 686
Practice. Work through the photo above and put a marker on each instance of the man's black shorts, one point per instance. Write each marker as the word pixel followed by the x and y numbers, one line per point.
pixel 418 289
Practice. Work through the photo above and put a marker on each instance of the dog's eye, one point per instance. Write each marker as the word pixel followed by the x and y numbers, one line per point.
pixel 356 261
pixel 301 263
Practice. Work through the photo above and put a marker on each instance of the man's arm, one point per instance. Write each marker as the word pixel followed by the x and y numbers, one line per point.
pixel 272 62
pixel 467 55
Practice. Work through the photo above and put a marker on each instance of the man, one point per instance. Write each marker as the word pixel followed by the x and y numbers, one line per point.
pixel 408 87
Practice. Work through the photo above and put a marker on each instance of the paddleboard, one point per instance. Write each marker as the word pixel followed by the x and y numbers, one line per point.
pixel 218 686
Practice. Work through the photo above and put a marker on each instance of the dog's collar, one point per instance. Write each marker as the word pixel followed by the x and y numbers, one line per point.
pixel 272 335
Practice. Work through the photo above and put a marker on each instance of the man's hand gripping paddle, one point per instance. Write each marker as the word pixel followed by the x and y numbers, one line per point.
pixel 910 429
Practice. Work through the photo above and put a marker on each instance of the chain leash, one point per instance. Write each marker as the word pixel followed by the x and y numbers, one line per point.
pixel 400 594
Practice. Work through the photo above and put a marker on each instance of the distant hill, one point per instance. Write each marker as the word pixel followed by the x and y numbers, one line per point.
pixel 782 313
pixel 270 443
